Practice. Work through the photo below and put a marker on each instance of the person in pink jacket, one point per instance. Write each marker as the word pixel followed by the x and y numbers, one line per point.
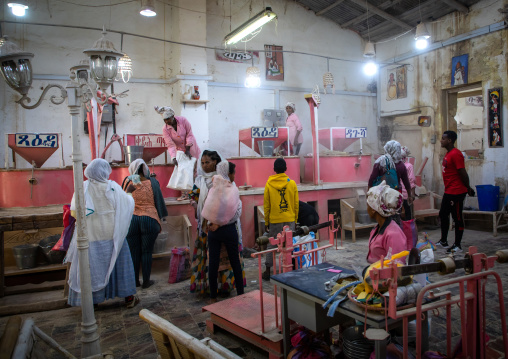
pixel 387 237
pixel 412 181
pixel 295 129
pixel 177 132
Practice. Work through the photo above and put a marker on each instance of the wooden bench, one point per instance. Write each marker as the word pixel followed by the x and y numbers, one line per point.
pixel 425 206
pixel 348 218
pixel 174 343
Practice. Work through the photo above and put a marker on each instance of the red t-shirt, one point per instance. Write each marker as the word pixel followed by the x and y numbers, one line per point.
pixel 452 162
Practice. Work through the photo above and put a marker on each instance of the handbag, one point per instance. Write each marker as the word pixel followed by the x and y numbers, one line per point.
pixel 390 177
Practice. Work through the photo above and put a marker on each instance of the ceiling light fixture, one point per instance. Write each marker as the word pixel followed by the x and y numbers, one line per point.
pixel 147 8
pixel 369 51
pixel 18 8
pixel 253 76
pixel 124 66
pixel 421 36
pixel 370 68
pixel 250 26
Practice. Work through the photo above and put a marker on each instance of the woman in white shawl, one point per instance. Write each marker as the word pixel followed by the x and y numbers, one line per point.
pixel 207 168
pixel 108 214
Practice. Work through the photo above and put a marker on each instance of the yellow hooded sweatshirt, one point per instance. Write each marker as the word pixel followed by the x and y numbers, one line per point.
pixel 280 200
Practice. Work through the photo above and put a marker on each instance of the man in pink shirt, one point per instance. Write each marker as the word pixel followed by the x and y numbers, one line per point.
pixel 177 133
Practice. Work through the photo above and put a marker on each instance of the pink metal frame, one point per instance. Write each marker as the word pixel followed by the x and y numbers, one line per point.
pixel 471 301
pixel 284 242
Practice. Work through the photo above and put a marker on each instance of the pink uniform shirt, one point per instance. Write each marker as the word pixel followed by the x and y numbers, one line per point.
pixel 183 136
pixel 379 243
pixel 293 122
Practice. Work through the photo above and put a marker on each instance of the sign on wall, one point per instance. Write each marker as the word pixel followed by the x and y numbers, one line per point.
pixel 356 132
pixel 495 119
pixel 397 83
pixel 37 140
pixel 274 58
pixel 459 69
pixel 264 132
pixel 236 56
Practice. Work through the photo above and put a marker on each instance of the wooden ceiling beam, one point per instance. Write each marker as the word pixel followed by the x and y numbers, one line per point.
pixel 383 14
pixel 457 6
pixel 359 19
pixel 328 8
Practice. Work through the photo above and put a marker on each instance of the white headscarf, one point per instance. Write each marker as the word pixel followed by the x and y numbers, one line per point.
pixel 165 111
pixel 223 169
pixel 98 170
pixel 384 200
pixel 204 182
pixel 134 167
pixel 392 155
pixel 292 105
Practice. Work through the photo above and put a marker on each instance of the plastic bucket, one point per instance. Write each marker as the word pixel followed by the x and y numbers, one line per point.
pixel 133 153
pixel 25 255
pixel 488 197
pixel 266 148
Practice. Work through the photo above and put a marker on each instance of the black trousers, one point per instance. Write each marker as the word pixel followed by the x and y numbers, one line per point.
pixel 407 211
pixel 229 236
pixel 143 232
pixel 452 204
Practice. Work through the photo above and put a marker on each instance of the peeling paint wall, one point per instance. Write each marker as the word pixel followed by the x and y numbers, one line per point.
pixel 429 78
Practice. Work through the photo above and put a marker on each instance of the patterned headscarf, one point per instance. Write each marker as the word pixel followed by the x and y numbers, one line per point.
pixel 384 200
pixel 98 170
pixel 392 155
pixel 134 167
pixel 404 151
pixel 292 105
pixel 223 169
pixel 165 111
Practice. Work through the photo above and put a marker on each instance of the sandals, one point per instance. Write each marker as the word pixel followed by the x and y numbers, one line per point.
pixel 183 197
pixel 133 302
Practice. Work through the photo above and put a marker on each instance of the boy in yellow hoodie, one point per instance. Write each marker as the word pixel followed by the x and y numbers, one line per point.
pixel 281 206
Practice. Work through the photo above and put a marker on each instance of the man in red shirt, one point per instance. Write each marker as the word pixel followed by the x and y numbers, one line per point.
pixel 456 183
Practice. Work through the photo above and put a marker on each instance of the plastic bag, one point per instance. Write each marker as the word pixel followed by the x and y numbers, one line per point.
pixel 222 201
pixel 306 259
pixel 69 223
pixel 411 232
pixel 179 266
pixel 182 178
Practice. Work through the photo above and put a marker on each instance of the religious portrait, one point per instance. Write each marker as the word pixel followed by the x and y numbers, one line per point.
pixel 459 70
pixel 495 123
pixel 397 83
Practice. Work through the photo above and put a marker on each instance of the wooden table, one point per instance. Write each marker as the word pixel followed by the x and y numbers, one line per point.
pixel 303 294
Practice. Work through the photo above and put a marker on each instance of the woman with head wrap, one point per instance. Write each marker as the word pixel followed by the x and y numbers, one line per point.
pixel 391 159
pixel 295 128
pixel 222 209
pixel 146 222
pixel 387 237
pixel 177 133
pixel 207 168
pixel 108 214
pixel 412 180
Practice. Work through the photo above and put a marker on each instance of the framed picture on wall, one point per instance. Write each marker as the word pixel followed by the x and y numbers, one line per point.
pixel 459 69
pixel 274 58
pixel 495 119
pixel 397 83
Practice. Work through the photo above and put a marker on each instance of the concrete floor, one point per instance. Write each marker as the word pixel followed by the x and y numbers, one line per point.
pixel 127 336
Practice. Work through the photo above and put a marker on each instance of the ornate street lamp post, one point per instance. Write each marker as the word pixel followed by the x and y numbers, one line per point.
pixel 16 70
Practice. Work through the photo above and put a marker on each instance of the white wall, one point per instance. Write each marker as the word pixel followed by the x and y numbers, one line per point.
pixel 155 62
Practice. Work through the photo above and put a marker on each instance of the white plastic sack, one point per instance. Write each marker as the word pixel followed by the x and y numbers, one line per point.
pixel 222 202
pixel 182 178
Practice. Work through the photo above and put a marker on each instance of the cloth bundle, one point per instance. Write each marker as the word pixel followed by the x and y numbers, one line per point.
pixel 222 201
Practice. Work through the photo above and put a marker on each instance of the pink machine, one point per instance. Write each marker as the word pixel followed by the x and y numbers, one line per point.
pixel 340 167
pixel 153 144
pixel 249 138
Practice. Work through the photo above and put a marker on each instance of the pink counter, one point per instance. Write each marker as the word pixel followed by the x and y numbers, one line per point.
pixel 339 168
pixel 55 185
pixel 254 171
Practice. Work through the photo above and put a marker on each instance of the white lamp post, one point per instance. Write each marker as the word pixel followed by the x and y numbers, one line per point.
pixel 17 72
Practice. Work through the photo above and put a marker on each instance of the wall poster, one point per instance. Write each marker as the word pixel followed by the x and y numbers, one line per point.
pixel 459 69
pixel 495 119
pixel 274 63
pixel 397 83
